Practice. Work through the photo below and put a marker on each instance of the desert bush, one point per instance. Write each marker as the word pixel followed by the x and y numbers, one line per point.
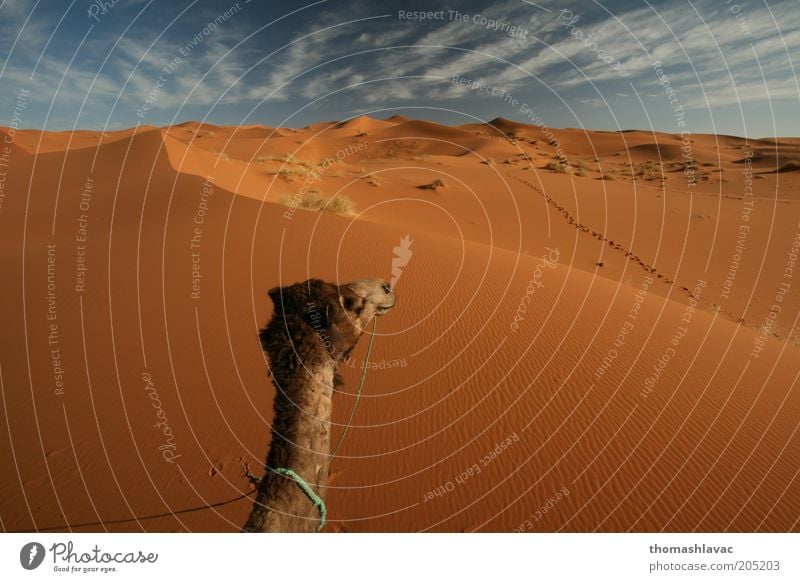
pixel 649 170
pixel 289 172
pixel 316 201
pixel 284 159
pixel 560 167
pixel 435 185
pixel 563 165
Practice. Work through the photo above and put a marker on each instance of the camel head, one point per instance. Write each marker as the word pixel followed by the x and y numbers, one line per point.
pixel 338 314
pixel 367 298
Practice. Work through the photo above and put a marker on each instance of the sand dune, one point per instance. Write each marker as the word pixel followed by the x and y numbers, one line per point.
pixel 425 129
pixel 364 123
pixel 398 118
pixel 587 346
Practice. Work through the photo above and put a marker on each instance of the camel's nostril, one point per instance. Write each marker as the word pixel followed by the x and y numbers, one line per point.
pixel 386 288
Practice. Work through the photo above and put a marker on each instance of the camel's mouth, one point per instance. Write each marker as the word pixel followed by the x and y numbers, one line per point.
pixel 382 309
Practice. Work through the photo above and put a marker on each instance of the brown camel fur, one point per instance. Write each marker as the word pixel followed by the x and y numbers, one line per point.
pixel 314 326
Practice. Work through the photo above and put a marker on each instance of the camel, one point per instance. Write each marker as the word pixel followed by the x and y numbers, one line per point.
pixel 315 325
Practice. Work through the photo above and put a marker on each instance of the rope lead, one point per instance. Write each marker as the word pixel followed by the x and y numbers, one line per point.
pixel 306 488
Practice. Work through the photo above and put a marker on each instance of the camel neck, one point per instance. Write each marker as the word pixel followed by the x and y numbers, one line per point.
pixel 303 409
pixel 300 443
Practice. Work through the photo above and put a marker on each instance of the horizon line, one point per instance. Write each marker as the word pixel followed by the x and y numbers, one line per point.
pixel 492 122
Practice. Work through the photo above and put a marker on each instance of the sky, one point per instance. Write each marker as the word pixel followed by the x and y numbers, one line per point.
pixel 716 66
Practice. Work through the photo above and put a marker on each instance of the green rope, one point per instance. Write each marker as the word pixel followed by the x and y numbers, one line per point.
pixel 306 488
pixel 360 388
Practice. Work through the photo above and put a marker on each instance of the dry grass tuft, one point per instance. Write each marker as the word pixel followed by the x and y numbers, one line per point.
pixel 649 171
pixel 563 165
pixel 289 172
pixel 560 167
pixel 316 201
pixel 284 159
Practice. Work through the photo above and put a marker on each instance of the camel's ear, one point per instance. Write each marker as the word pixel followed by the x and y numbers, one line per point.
pixel 275 295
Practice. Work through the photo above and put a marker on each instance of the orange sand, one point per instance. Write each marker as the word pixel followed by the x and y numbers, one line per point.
pixel 489 408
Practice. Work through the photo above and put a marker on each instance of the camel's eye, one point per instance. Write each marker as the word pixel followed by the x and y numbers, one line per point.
pixel 386 288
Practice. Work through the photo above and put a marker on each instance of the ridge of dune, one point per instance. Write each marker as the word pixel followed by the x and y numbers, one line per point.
pixel 34 141
pixel 257 132
pixel 231 174
pixel 649 151
pixel 12 147
pixel 509 127
pixel 198 125
pixel 421 128
pixel 363 123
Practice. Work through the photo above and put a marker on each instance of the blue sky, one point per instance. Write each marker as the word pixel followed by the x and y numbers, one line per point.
pixel 726 67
